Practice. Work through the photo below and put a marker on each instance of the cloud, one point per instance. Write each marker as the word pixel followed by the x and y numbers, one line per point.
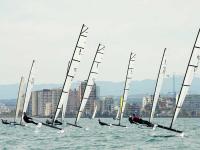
pixel 47 32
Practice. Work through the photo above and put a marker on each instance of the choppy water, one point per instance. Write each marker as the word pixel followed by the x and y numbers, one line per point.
pixel 94 136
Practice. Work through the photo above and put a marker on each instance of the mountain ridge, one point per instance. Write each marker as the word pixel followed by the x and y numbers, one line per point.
pixel 110 88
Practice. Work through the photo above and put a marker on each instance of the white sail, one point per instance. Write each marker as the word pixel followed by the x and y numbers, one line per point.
pixel 94 113
pixel 189 74
pixel 20 98
pixel 160 77
pixel 127 84
pixel 91 79
pixel 29 87
pixel 118 110
pixel 72 69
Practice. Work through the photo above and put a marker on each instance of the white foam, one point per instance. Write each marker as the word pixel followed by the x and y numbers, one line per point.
pixel 39 125
pixel 61 131
pixel 182 135
pixel 87 129
pixel 154 127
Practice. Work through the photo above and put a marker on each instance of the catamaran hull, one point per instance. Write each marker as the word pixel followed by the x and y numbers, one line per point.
pixel 170 129
pixel 119 125
pixel 74 125
pixel 12 123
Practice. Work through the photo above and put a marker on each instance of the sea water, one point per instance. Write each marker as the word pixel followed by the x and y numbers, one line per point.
pixel 93 136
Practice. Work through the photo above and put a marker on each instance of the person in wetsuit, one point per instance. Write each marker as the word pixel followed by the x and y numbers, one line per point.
pixel 137 120
pixel 103 123
pixel 5 121
pixel 28 119
pixel 56 121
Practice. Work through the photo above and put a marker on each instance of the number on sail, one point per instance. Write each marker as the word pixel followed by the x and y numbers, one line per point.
pixel 72 69
pixel 91 79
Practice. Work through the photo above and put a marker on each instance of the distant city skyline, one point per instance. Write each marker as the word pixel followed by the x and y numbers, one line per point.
pixel 107 88
pixel 47 32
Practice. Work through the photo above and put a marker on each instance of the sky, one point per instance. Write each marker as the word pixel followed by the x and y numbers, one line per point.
pixel 47 31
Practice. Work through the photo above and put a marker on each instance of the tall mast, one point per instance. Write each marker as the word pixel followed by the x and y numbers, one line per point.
pixel 72 69
pixel 91 79
pixel 29 86
pixel 158 86
pixel 188 77
pixel 127 84
pixel 19 97
pixel 174 90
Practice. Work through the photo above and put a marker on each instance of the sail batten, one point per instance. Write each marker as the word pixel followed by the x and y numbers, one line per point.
pixel 72 69
pixel 159 81
pixel 126 85
pixel 91 79
pixel 189 74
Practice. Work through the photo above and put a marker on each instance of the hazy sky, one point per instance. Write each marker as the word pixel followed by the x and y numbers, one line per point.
pixel 47 31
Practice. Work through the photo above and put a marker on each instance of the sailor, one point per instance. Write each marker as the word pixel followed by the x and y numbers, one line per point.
pixel 137 120
pixel 5 121
pixel 103 123
pixel 58 122
pixel 28 119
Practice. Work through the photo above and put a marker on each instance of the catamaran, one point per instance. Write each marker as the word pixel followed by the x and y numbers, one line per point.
pixel 90 82
pixel 159 81
pixel 192 66
pixel 71 71
pixel 29 87
pixel 126 87
pixel 158 86
pixel 20 99
pixel 123 99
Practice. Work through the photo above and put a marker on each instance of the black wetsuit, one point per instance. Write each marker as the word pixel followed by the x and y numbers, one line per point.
pixel 140 121
pixel 58 122
pixel 149 124
pixel 103 123
pixel 5 121
pixel 28 119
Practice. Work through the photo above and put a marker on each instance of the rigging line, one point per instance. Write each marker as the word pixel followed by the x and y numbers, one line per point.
pixel 69 66
pixel 26 90
pixel 184 77
pixel 88 79
pixel 157 82
pixel 57 108
pixel 130 59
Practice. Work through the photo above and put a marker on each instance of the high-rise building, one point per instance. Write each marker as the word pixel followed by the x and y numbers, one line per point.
pixel 44 102
pixel 107 106
pixel 56 93
pixel 44 97
pixel 191 106
pixel 90 105
pixel 73 103
pixel 48 109
pixel 34 103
